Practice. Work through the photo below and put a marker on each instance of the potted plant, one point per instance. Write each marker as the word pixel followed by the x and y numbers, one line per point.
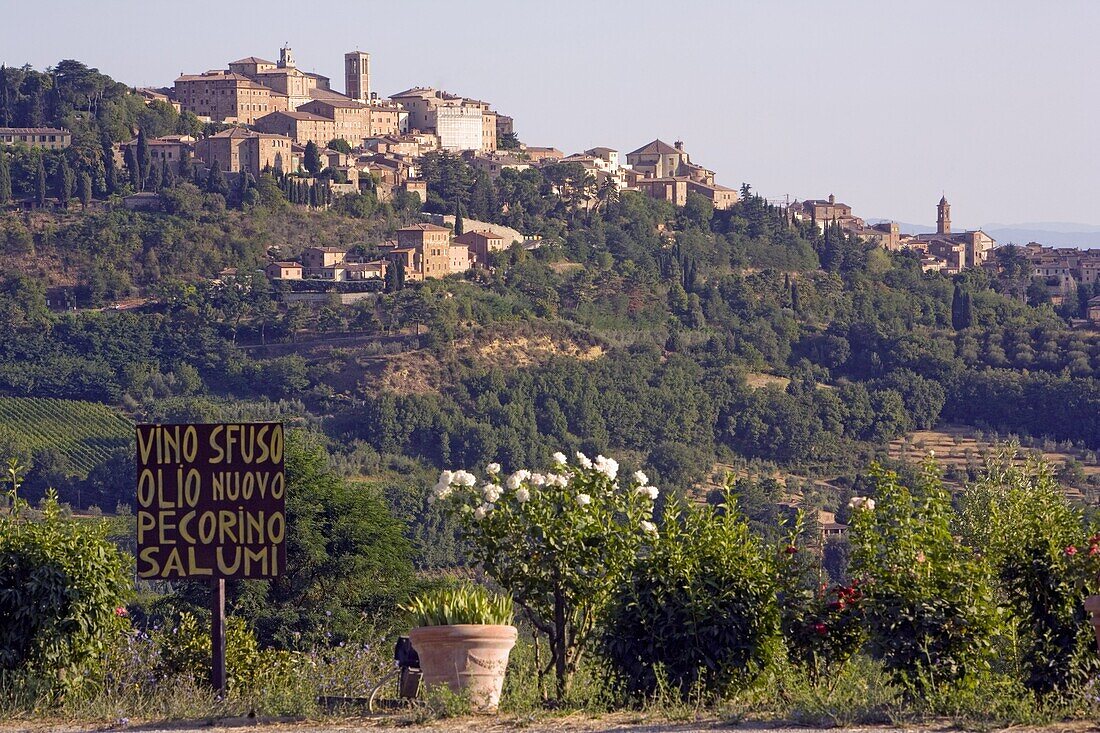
pixel 463 637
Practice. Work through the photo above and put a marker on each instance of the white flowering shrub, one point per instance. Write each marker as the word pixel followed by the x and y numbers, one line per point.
pixel 560 542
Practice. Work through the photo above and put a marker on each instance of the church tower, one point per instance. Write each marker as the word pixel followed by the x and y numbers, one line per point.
pixel 357 75
pixel 286 58
pixel 943 217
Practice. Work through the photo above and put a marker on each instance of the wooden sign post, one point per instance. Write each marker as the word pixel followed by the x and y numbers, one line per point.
pixel 211 505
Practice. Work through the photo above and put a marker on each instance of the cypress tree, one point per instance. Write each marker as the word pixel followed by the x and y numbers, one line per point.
pixel 167 176
pixel 85 189
pixel 956 308
pixel 110 175
pixel 460 226
pixel 215 182
pixel 796 303
pixel 153 184
pixel 5 172
pixel 66 182
pixel 130 160
pixel 40 182
pixel 144 162
pixel 185 164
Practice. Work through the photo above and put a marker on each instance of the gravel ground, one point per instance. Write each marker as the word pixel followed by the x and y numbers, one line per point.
pixel 619 723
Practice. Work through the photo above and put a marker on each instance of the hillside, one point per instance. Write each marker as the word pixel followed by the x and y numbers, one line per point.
pixel 84 433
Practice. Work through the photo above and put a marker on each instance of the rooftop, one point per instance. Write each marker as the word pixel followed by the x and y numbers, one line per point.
pixel 657 147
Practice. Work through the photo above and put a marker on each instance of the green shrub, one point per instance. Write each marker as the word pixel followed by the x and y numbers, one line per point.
pixel 930 612
pixel 467 604
pixel 699 610
pixel 822 624
pixel 184 649
pixel 1021 521
pixel 62 584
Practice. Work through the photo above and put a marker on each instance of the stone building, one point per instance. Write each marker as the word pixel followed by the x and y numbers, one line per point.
pixel 481 244
pixel 301 127
pixel 222 96
pixel 50 138
pixel 460 123
pixel 959 250
pixel 238 150
pixel 424 250
pixel 357 75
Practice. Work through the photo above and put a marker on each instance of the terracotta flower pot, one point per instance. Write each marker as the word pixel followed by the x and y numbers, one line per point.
pixel 468 658
pixel 1092 605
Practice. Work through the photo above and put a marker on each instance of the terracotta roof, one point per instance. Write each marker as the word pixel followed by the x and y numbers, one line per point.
pixel 340 101
pixel 32 131
pixel 297 116
pixel 327 249
pixel 596 151
pixel 469 237
pixel 252 60
pixel 654 148
pixel 288 264
pixel 423 228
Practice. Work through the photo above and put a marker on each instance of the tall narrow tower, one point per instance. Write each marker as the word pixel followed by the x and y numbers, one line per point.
pixel 286 58
pixel 943 217
pixel 357 75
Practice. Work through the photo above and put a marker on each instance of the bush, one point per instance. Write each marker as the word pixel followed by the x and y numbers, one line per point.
pixel 822 623
pixel 699 611
pixel 1021 521
pixel 560 543
pixel 929 602
pixel 62 584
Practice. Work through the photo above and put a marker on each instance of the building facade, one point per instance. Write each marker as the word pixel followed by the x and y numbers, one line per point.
pixel 357 75
pixel 244 151
pixel 48 138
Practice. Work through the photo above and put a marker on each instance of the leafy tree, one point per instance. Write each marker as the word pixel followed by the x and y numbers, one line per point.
pixel 347 559
pixel 61 582
pixel 340 145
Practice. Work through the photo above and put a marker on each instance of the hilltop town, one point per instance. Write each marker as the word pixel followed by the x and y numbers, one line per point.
pixel 259 116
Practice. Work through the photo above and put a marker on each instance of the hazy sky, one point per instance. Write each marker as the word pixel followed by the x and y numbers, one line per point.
pixel 886 104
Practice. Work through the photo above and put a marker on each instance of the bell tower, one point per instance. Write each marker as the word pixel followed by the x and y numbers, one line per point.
pixel 357 75
pixel 943 217
pixel 286 58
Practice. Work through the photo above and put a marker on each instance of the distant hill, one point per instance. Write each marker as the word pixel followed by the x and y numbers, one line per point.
pixel 1051 233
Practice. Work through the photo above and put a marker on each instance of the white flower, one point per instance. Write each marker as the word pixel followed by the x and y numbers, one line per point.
pixel 442 490
pixel 584 499
pixel 648 527
pixel 870 505
pixel 560 459
pixel 931 454
pixel 463 478
pixel 537 479
pixel 492 469
pixel 556 479
pixel 583 460
pixel 491 492
pixel 523 496
pixel 518 478
pixel 445 477
pixel 650 491
pixel 607 466
pixel 481 511
pixel 641 478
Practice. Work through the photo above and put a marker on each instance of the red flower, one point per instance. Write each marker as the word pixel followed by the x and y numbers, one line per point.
pixel 1094 550
pixel 1071 550
pixel 791 549
pixel 821 628
pixel 121 611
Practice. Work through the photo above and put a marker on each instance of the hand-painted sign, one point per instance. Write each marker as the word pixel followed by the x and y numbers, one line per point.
pixel 210 501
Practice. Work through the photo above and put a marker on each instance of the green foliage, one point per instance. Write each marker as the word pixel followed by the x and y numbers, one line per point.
pixel 560 543
pixel 85 433
pixel 466 604
pixel 348 563
pixel 698 610
pixel 183 648
pixel 1020 520
pixel 929 603
pixel 61 584
pixel 823 623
